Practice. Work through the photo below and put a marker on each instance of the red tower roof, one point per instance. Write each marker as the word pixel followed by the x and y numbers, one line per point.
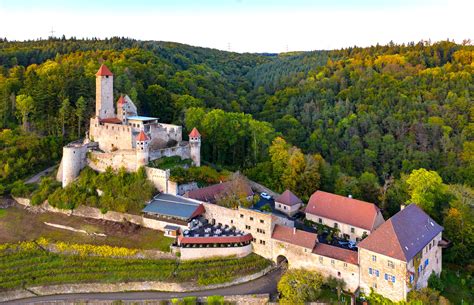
pixel 142 137
pixel 103 71
pixel 194 133
pixel 121 100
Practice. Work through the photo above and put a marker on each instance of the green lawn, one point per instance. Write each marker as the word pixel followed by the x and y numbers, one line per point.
pixel 30 266
pixel 18 224
pixel 330 296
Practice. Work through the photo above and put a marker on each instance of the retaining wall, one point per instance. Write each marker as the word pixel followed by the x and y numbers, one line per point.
pixel 91 212
pixel 120 287
pixel 199 253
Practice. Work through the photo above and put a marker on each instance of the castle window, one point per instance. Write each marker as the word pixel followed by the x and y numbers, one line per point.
pixel 338 273
pixel 251 218
pixel 390 264
pixel 352 230
pixel 335 225
pixel 427 262
pixel 320 220
pixel 345 264
pixel 374 285
pixel 261 221
pixel 374 258
pixel 370 271
pixel 241 215
pixel 247 227
pixel 332 262
pixel 321 259
pixel 262 242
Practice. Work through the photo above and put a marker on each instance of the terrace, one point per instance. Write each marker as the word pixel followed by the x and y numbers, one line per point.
pixel 204 234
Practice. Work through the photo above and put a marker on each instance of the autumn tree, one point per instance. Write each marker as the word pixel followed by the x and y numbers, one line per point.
pixel 25 106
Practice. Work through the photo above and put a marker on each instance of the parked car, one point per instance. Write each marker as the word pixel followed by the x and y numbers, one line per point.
pixel 343 242
pixel 352 245
pixel 265 196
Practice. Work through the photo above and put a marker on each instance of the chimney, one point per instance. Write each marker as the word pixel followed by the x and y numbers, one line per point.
pixel 402 206
pixel 350 196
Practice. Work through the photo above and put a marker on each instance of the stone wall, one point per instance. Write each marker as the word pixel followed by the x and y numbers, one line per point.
pixel 160 179
pixel 120 287
pixel 300 257
pixel 200 253
pixel 90 212
pixel 183 151
pixel 166 132
pixel 380 263
pixel 111 136
pixel 99 161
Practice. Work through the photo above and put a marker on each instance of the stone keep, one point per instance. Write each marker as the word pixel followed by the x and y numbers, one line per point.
pixel 104 82
pixel 195 143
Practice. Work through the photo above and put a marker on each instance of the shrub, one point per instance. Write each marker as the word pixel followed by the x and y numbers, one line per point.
pixel 20 189
pixel 298 286
pixel 215 300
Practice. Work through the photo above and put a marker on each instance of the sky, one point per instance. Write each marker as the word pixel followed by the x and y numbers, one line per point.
pixel 243 25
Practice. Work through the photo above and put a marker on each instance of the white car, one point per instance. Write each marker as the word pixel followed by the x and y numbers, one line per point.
pixel 266 196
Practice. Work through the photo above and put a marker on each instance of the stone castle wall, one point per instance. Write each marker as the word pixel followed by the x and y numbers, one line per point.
pixel 166 132
pixel 161 180
pixel 182 151
pixel 99 161
pixel 111 136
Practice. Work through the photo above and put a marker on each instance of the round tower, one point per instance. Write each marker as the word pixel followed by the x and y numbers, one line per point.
pixel 72 162
pixel 142 149
pixel 195 143
pixel 104 93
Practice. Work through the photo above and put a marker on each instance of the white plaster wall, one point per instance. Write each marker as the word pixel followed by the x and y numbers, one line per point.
pixel 73 160
pixel 160 179
pixel 200 253
pixel 290 210
pixel 344 228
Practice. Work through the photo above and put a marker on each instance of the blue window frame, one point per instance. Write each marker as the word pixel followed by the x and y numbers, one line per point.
pixel 386 276
pixel 420 268
pixel 427 262
pixel 370 270
pixel 412 278
pixel 393 278
pixel 377 273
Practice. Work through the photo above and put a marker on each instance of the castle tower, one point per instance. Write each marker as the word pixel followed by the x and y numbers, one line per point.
pixel 195 143
pixel 74 159
pixel 121 109
pixel 142 149
pixel 104 93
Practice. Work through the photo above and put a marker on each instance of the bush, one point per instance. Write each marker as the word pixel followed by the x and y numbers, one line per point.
pixel 298 286
pixel 215 300
pixel 20 189
pixel 47 186
pixel 435 282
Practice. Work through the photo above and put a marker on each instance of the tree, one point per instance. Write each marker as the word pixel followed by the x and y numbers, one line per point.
pixel 426 190
pixel 369 187
pixel 64 115
pixel 80 113
pixel 426 296
pixel 25 106
pixel 298 286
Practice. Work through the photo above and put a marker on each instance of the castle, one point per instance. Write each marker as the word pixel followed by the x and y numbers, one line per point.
pixel 120 138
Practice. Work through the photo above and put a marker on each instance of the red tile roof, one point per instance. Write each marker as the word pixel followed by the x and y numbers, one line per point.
pixel 103 71
pixel 111 120
pixel 344 255
pixel 403 235
pixel 294 236
pixel 199 211
pixel 194 133
pixel 121 100
pixel 142 137
pixel 347 210
pixel 288 198
pixel 211 193
pixel 215 239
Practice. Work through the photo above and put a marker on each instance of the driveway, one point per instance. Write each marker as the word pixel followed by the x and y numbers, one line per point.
pixel 265 284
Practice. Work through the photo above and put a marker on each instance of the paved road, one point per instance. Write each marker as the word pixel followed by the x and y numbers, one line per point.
pixel 37 177
pixel 265 284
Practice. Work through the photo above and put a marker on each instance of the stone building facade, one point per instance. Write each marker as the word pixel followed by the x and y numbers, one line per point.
pixel 122 138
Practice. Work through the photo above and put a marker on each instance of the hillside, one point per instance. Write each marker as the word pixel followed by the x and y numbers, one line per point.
pixel 385 110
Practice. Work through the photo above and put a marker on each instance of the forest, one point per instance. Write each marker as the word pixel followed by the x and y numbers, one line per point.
pixel 369 122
